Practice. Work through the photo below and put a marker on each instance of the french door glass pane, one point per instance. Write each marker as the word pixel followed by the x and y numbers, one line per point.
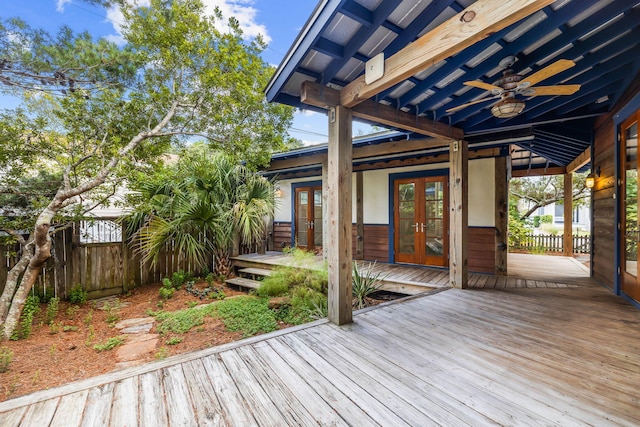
pixel 303 218
pixel 631 200
pixel 407 214
pixel 434 218
pixel 317 218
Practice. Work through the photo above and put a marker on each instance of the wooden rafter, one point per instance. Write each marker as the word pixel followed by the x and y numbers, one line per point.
pixel 325 97
pixel 479 20
pixel 580 161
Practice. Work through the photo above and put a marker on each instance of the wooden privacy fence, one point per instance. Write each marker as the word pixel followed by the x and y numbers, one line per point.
pixel 102 269
pixel 552 243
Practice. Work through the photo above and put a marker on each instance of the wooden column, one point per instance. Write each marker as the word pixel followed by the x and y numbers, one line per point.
pixel 459 214
pixel 359 217
pixel 325 236
pixel 339 216
pixel 568 215
pixel 501 215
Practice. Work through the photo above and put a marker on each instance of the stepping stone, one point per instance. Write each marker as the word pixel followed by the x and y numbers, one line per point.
pixel 137 347
pixel 136 326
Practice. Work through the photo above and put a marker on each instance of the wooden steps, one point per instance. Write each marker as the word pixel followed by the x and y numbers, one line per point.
pixel 243 282
pixel 251 282
pixel 254 272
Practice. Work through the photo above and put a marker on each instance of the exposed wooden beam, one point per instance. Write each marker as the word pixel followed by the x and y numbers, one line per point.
pixel 559 170
pixel 339 250
pixel 324 97
pixel 479 20
pixel 459 214
pixel 393 147
pixel 422 159
pixel 580 161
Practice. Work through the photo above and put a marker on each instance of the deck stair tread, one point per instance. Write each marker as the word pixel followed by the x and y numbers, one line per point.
pixel 244 282
pixel 256 271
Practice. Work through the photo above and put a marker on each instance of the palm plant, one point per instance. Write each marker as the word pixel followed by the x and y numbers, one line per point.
pixel 204 204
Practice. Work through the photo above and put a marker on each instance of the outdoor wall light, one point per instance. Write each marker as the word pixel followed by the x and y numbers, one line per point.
pixel 590 181
pixel 278 193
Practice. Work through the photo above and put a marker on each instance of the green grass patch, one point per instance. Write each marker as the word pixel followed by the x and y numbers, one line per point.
pixel 182 321
pixel 248 315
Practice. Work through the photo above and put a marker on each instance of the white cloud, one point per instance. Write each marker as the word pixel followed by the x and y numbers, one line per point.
pixel 60 5
pixel 308 113
pixel 242 10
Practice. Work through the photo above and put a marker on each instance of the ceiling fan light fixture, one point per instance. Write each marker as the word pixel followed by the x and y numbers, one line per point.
pixel 506 108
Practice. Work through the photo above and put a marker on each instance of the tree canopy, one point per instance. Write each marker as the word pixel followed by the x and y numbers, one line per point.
pixel 93 112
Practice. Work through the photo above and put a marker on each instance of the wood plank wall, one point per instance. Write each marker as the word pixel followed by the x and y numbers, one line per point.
pixel 604 202
pixel 482 248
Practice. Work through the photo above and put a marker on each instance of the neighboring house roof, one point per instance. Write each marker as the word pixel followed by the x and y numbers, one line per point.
pixel 601 36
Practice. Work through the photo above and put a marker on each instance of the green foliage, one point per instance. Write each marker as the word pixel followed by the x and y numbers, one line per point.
pixel 542 219
pixel 182 321
pixel 162 353
pixel 275 285
pixel 77 295
pixel 248 315
pixel 31 308
pixel 110 343
pixel 6 357
pixel 178 278
pixel 174 341
pixel 518 228
pixel 306 305
pixel 202 203
pixel 166 290
pixel 209 279
pixel 69 328
pixel 52 310
pixel 72 311
pixel 364 284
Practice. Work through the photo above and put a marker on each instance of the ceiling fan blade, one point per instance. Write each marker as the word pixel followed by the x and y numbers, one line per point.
pixel 554 90
pixel 483 85
pixel 548 71
pixel 477 101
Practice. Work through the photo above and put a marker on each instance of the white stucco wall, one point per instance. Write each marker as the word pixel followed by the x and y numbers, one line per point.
pixel 376 193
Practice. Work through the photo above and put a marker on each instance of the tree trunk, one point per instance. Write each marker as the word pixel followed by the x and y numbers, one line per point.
pixel 222 263
pixel 12 280
pixel 41 255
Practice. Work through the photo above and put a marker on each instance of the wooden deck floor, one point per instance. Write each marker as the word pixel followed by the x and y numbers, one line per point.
pixel 525 271
pixel 511 356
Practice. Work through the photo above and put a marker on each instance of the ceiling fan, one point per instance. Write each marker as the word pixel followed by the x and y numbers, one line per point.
pixel 510 84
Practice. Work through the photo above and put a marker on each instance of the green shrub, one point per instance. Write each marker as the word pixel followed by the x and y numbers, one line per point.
pixel 273 286
pixel 110 344
pixel 178 278
pixel 77 295
pixel 364 283
pixel 52 310
pixel 306 305
pixel 31 308
pixel 209 279
pixel 248 315
pixel 166 290
pixel 6 357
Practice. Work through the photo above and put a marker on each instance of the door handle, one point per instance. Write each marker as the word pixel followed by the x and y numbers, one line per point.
pixel 416 226
pixel 422 227
pixel 311 224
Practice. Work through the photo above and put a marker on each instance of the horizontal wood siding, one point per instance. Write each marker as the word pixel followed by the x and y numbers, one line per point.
pixel 281 235
pixel 376 242
pixel 482 249
pixel 604 204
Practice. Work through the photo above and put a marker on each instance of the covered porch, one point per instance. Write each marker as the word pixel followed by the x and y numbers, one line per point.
pixel 526 271
pixel 509 356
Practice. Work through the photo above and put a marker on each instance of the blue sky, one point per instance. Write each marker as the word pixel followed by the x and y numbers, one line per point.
pixel 279 21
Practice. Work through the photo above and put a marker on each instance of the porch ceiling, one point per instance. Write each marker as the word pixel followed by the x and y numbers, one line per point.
pixel 601 36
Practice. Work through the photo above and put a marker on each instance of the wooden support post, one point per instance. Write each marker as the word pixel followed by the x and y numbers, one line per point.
pixel 459 218
pixel 325 235
pixel 568 215
pixel 359 217
pixel 501 215
pixel 339 256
